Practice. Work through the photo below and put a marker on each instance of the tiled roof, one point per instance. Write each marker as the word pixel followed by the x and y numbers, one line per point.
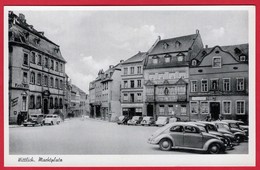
pixel 234 50
pixel 177 44
pixel 140 56
pixel 75 89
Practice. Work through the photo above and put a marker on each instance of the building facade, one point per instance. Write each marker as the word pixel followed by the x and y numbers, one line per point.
pixel 166 75
pixel 132 85
pixel 219 83
pixel 36 71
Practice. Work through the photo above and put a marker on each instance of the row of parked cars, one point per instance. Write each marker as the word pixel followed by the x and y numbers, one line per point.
pixel 214 137
pixel 41 119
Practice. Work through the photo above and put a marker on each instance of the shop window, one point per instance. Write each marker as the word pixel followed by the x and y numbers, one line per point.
pixel 240 107
pixel 32 78
pixel 25 59
pixel 240 84
pixel 32 102
pixel 183 109
pixel 38 102
pixel 193 87
pixel 226 84
pixel 226 107
pixel 170 110
pixel 194 107
pixel 216 62
pixel 204 107
pixel 161 110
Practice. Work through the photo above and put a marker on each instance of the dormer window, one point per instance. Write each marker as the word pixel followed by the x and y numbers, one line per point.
pixel 155 60
pixel 204 52
pixel 242 58
pixel 194 63
pixel 179 58
pixel 165 45
pixel 37 40
pixel 56 49
pixel 167 58
pixel 177 44
pixel 216 62
pixel 237 51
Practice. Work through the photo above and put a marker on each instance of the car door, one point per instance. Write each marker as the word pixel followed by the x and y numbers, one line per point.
pixel 192 137
pixel 176 132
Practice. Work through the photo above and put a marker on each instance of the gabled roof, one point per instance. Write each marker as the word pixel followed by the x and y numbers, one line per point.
pixel 139 57
pixel 234 50
pixel 77 89
pixel 177 44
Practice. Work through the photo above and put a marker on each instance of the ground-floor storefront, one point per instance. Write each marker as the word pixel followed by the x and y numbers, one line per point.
pixel 132 109
pixel 219 107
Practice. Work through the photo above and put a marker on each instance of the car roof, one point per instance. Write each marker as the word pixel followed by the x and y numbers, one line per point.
pixel 183 124
pixel 205 122
pixel 232 121
pixel 222 122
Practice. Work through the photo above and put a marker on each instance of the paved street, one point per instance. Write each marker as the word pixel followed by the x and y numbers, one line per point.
pixel 90 136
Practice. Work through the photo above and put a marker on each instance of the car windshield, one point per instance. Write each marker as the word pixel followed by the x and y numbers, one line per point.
pixel 220 125
pixel 34 116
pixel 202 128
pixel 212 127
pixel 147 118
pixel 50 116
pixel 234 125
pixel 121 117
pixel 136 118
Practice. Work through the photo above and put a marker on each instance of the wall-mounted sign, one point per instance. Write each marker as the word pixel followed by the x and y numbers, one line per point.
pixel 23 86
pixel 198 98
pixel 14 102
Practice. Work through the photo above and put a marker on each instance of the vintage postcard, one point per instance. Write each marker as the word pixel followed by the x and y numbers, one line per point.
pixel 129 86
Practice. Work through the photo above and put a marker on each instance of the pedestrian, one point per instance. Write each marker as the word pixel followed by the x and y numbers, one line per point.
pixel 208 118
pixel 19 119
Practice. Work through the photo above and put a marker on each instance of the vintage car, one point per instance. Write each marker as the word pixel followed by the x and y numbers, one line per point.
pixel 122 120
pixel 148 120
pixel 174 119
pixel 239 134
pixel 34 119
pixel 238 125
pixel 186 135
pixel 161 121
pixel 135 120
pixel 52 119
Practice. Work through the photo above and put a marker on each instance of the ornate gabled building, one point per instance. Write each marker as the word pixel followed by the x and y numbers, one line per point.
pixel 166 76
pixel 219 83
pixel 132 85
pixel 36 71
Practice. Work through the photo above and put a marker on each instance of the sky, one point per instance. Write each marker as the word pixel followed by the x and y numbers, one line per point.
pixel 91 40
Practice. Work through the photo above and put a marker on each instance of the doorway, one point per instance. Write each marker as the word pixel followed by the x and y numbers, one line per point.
pixel 150 110
pixel 45 106
pixel 214 110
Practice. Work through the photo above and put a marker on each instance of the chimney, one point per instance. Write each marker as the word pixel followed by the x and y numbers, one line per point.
pixel 22 17
pixel 121 61
pixel 197 31
pixel 111 66
pixel 159 37
pixel 206 46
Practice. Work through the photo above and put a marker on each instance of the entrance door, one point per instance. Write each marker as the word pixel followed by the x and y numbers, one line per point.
pixel 214 110
pixel 150 110
pixel 45 106
pixel 132 112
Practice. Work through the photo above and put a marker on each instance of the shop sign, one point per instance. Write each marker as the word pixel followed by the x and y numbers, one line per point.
pixel 23 86
pixel 14 102
pixel 198 98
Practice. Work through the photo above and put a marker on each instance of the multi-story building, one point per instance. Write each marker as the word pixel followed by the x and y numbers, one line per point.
pixel 132 85
pixel 166 75
pixel 92 97
pixel 219 83
pixel 36 71
pixel 67 98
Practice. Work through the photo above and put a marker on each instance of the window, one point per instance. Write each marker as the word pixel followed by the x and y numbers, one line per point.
pixel 52 65
pixel 170 109
pixel 51 102
pixel 125 97
pixel 24 103
pixel 39 59
pixel 46 62
pixel 139 70
pixel 216 62
pixel 132 83
pixel 39 79
pixel 139 96
pixel 240 84
pixel 242 58
pixel 180 58
pixel 194 107
pixel 57 66
pixel 32 79
pixel 226 84
pixel 25 77
pixel 155 60
pixel 214 84
pixel 61 69
pixel 132 97
pixel 56 104
pixel 45 80
pixel 160 76
pixel 61 85
pixel 125 84
pixel 176 129
pixel 191 129
pixel 183 109
pixel 167 59
pixel 194 63
pixel 204 85
pixel 240 107
pixel 151 76
pixel 139 83
pixel 32 58
pixel 226 107
pixel 161 109
pixel 125 71
pixel 56 83
pixel 193 87
pixel 38 102
pixel 61 104
pixel 32 105
pixel 51 82
pixel 172 76
pixel 181 90
pixel 132 70
pixel 182 74
pixel 25 59
pixel 204 106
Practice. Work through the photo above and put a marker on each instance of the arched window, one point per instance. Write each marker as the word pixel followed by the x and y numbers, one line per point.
pixel 61 104
pixel 51 102
pixel 38 102
pixel 51 83
pixel 57 66
pixel 194 62
pixel 32 79
pixel 56 105
pixel 39 78
pixel 32 104
pixel 46 80
pixel 56 83
pixel 61 85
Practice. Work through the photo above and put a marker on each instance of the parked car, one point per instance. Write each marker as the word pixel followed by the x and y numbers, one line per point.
pixel 161 121
pixel 238 124
pixel 34 119
pixel 174 119
pixel 52 119
pixel 122 120
pixel 186 135
pixel 148 120
pixel 239 134
pixel 135 120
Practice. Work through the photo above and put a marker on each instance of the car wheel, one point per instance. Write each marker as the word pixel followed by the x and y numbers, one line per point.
pixel 238 138
pixel 25 125
pixel 214 148
pixel 52 123
pixel 165 144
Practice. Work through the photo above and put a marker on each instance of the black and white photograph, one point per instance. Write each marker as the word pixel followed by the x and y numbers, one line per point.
pixel 147 85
